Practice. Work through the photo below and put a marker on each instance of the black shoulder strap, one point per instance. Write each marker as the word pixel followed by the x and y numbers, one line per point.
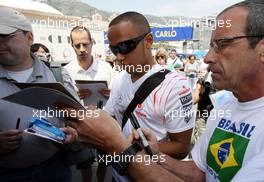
pixel 56 70
pixel 143 91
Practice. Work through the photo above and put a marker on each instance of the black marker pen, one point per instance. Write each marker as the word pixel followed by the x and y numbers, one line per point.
pixel 142 137
pixel 17 123
pixel 100 104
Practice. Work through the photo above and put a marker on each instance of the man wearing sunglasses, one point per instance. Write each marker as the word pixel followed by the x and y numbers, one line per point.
pixel 87 67
pixel 131 41
pixel 232 147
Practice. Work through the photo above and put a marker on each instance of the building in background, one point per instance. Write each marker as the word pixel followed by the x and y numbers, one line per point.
pixel 52 28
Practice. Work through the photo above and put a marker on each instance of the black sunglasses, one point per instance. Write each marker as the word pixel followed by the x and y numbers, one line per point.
pixel 127 46
pixel 162 57
pixel 218 44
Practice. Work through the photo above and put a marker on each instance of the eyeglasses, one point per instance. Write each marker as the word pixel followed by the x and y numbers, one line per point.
pixel 219 44
pixel 127 46
pixel 162 57
pixel 7 36
pixel 85 45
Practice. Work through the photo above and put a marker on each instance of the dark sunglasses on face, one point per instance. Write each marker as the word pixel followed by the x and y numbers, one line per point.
pixel 85 45
pixel 219 44
pixel 127 46
pixel 6 36
pixel 162 57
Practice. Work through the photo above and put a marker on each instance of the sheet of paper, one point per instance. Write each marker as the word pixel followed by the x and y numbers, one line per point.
pixel 43 98
pixel 94 87
pixel 56 86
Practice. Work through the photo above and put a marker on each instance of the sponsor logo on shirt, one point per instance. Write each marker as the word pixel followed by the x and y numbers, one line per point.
pixel 139 111
pixel 187 119
pixel 141 114
pixel 226 149
pixel 139 106
pixel 186 99
pixel 187 110
pixel 184 90
pixel 187 107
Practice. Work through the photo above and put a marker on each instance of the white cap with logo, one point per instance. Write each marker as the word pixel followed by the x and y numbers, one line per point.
pixel 12 20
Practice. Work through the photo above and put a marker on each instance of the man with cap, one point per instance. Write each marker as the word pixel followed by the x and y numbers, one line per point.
pixel 24 157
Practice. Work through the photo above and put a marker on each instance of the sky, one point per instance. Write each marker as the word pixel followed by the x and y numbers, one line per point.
pixel 188 8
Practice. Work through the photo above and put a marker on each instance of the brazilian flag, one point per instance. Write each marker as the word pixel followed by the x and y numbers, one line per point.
pixel 225 153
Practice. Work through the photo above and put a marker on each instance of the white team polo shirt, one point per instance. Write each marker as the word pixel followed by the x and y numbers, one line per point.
pixel 161 111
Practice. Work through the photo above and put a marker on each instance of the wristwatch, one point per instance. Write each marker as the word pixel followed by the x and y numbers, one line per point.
pixel 121 162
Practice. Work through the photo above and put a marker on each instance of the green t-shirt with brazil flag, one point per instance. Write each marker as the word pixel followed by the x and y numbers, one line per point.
pixel 233 139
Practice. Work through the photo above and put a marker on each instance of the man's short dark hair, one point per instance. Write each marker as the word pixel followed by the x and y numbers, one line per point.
pixel 255 19
pixel 139 21
pixel 81 28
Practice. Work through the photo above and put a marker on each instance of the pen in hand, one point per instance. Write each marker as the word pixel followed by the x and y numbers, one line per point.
pixel 142 137
pixel 17 123
pixel 99 104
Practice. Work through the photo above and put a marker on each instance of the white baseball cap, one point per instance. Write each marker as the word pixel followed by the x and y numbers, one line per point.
pixel 12 20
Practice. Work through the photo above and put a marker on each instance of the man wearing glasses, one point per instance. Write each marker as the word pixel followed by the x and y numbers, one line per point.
pixel 23 157
pixel 164 109
pixel 232 147
pixel 87 67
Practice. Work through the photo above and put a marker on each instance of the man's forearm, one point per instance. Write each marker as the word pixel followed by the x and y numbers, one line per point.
pixel 153 172
pixel 174 149
pixel 145 167
pixel 186 170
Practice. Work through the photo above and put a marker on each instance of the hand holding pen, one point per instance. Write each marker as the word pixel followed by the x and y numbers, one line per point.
pixel 10 139
pixel 100 104
pixel 142 137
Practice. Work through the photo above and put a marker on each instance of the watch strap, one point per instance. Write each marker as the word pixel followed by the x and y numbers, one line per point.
pixel 121 162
